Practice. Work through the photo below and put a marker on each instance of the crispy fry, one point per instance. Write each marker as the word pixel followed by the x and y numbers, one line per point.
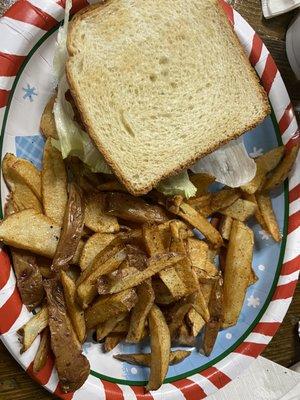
pixel 92 247
pixel 156 244
pixel 225 226
pixel 87 290
pixel 76 314
pixel 240 210
pixel 198 252
pixel 265 207
pixel 258 215
pixel 29 278
pixel 160 348
pixel 265 163
pixel 25 199
pixel 237 271
pixel 105 282
pixel 143 359
pixel 54 184
pixel 123 327
pixel 199 304
pixel 112 340
pixel 72 366
pixel 176 315
pixel 155 264
pixel 95 217
pixel 184 336
pixel 48 126
pixel 197 220
pixel 201 203
pixel 17 170
pixel 44 349
pixel 76 258
pixel 162 294
pixel 202 181
pixel 224 198
pixel 280 173
pixel 195 321
pixel 140 312
pixel 206 288
pixel 216 314
pixel 109 306
pixel 29 331
pixel 108 326
pixel 29 230
pixel 71 229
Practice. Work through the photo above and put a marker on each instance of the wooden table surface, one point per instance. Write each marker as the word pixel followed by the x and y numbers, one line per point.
pixel 285 346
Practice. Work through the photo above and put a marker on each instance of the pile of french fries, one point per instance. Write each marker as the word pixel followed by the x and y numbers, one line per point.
pixel 92 257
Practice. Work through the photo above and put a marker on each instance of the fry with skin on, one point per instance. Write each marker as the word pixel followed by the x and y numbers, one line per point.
pixel 123 326
pixel 29 230
pixel 140 312
pixel 76 314
pixel 25 199
pixel 176 315
pixel 258 215
pixel 160 342
pixel 162 294
pixel 199 304
pixel 224 198
pixel 54 184
pixel 195 321
pixel 280 173
pixel 108 326
pixel 240 210
pixel 95 217
pixel 109 306
pixel 29 331
pixel 48 127
pixel 143 359
pixel 92 247
pixel 44 349
pixel 112 340
pixel 265 207
pixel 184 337
pixel 237 271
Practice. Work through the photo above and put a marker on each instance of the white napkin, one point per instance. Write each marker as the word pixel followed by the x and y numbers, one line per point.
pixel 263 380
pixel 272 8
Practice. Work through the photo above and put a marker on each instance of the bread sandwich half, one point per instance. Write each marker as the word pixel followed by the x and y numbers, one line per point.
pixel 160 84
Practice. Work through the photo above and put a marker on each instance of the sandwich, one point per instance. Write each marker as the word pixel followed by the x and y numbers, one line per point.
pixel 156 90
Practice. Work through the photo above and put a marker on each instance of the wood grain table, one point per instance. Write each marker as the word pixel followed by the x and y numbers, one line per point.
pixel 285 346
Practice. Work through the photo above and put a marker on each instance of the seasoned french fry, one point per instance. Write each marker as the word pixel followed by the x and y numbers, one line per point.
pixel 265 207
pixel 216 314
pixel 265 163
pixel 258 215
pixel 280 173
pixel 237 271
pixel 202 181
pixel 140 312
pixel 110 306
pixel 72 228
pixel 176 315
pixel 155 264
pixel 87 290
pixel 95 217
pixel 201 203
pixel 17 170
pixel 105 282
pixel 160 348
pixel 162 294
pixel 92 247
pixel 240 210
pixel 154 242
pixel 108 326
pixel 54 184
pixel 225 226
pixel 76 258
pixel 224 198
pixel 143 359
pixel 198 252
pixel 32 328
pixel 184 337
pixel 123 327
pixel 197 220
pixel 76 314
pixel 206 289
pixel 195 321
pixel 29 230
pixel 112 340
pixel 41 356
pixel 48 126
pixel 25 199
pixel 199 304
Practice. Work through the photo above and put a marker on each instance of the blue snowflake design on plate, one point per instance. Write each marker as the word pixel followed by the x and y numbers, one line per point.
pixel 29 92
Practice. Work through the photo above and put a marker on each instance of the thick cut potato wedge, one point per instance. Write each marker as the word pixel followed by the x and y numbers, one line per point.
pixel 160 348
pixel 140 312
pixel 32 328
pixel 240 210
pixel 24 198
pixel 92 247
pixel 162 294
pixel 75 312
pixel 155 265
pixel 54 184
pixel 110 306
pixel 200 305
pixel 195 321
pixel 29 230
pixel 156 244
pixel 265 163
pixel 17 170
pixel 108 326
pixel 42 354
pixel 143 359
pixel 280 173
pixel 48 126
pixel 112 340
pixel 266 211
pixel 237 271
pixel 176 315
pixel 95 217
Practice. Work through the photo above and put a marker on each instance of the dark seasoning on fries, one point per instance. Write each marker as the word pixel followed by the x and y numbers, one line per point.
pixel 92 257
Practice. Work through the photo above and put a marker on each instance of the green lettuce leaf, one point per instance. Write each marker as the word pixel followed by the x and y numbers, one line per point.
pixel 178 184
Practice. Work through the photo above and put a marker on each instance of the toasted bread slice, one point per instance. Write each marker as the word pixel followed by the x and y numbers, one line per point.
pixel 160 84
